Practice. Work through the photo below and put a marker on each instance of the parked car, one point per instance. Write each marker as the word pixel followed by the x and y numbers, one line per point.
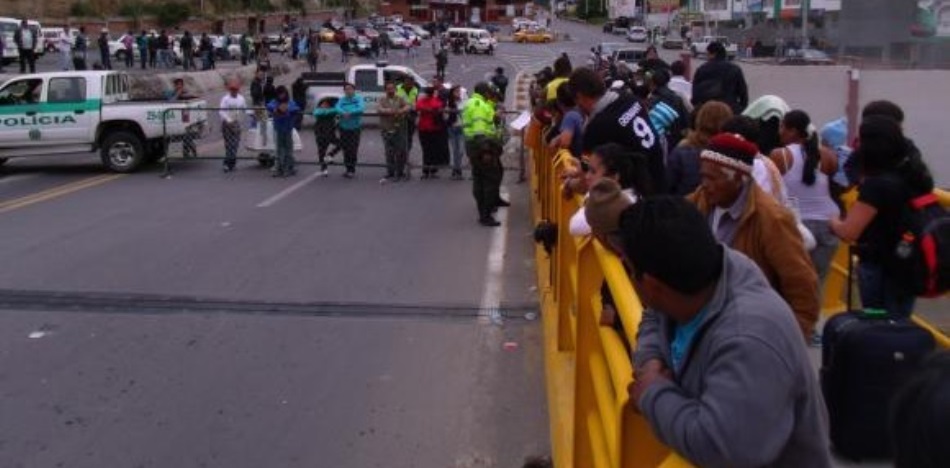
pixel 534 35
pixel 418 31
pixel 637 34
pixel 698 48
pixel 618 25
pixel 630 57
pixel 369 32
pixel 806 57
pixel 672 43
pixel 396 41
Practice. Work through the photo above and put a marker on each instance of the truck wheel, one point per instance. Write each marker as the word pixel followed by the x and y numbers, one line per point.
pixel 122 152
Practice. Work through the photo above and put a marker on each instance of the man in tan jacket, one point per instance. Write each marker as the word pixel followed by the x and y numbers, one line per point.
pixel 745 218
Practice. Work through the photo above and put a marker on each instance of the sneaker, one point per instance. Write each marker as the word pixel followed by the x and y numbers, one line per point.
pixel 348 175
pixel 488 221
pixel 227 169
pixel 502 203
pixel 323 173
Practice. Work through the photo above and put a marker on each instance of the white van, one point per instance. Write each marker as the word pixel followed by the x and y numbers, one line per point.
pixel 476 40
pixel 8 27
pixel 51 38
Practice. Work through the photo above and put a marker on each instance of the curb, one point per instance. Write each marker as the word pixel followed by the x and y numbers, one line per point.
pixel 523 81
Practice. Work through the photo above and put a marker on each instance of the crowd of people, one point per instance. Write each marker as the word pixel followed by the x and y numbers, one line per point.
pixel 725 213
pixel 450 124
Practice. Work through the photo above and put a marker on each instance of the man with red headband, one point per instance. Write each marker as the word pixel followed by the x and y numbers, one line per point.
pixel 744 217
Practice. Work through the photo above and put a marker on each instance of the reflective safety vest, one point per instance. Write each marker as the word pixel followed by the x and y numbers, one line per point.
pixel 478 117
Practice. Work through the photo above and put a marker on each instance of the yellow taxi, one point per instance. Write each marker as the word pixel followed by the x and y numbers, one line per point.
pixel 534 35
pixel 326 35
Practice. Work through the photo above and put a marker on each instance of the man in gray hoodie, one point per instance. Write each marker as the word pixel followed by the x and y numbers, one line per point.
pixel 722 375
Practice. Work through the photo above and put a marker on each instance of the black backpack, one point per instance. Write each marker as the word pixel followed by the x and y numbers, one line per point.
pixel 500 81
pixel 924 248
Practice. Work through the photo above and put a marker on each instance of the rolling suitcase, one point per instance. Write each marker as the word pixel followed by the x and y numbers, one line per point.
pixel 866 356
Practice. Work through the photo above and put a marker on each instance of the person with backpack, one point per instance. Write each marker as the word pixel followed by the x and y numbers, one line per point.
pixel 500 81
pixel 882 222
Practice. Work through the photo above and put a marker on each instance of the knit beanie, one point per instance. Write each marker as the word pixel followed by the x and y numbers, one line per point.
pixel 732 151
pixel 605 202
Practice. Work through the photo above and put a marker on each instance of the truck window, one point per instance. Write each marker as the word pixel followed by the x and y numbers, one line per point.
pixel 22 92
pixel 394 76
pixel 367 81
pixel 66 90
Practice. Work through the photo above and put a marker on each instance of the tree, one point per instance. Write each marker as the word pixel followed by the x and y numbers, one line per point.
pixel 170 14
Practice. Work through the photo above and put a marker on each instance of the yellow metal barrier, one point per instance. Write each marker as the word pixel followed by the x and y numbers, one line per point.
pixel 588 369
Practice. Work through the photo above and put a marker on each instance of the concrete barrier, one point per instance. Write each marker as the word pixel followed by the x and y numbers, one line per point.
pixel 202 82
pixel 153 85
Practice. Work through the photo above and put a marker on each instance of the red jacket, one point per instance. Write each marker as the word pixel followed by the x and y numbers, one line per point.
pixel 430 114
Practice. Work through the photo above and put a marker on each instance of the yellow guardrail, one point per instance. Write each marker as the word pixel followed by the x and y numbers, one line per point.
pixel 588 369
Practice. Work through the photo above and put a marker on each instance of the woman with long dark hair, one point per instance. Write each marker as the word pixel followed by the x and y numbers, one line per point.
pixel 806 169
pixel 891 175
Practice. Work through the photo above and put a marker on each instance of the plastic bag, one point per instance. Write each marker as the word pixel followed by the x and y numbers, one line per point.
pixel 257 140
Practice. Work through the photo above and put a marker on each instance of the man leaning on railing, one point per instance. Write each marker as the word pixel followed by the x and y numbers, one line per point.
pixel 722 374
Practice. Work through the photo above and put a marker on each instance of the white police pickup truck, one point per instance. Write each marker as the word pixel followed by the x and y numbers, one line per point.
pixel 369 80
pixel 46 114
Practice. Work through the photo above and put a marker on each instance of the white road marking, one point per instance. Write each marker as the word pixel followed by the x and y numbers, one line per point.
pixel 288 191
pixel 493 289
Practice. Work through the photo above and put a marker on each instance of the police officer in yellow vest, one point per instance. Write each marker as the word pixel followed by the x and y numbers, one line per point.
pixel 484 149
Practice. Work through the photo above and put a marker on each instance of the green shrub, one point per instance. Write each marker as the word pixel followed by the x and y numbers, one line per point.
pixel 171 14
pixel 82 9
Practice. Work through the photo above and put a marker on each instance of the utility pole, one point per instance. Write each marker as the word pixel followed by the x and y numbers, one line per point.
pixel 806 5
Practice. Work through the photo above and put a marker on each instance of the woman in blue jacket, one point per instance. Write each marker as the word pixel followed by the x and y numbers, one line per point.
pixel 350 107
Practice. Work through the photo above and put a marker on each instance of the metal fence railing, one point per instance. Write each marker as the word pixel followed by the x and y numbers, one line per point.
pixel 237 136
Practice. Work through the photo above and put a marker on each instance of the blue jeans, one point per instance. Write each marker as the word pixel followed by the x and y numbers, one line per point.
pixel 456 143
pixel 285 152
pixel 879 290
pixel 826 244
pixel 232 139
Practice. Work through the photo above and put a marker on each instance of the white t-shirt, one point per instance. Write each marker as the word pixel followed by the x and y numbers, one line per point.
pixel 65 44
pixel 232 108
pixel 26 38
